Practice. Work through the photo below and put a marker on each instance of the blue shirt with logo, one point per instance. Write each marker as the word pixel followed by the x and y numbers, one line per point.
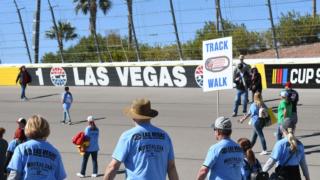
pixel 145 151
pixel 37 160
pixel 67 100
pixel 93 135
pixel 281 152
pixel 224 160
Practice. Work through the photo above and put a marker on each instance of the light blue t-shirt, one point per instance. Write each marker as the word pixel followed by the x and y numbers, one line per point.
pixel 254 113
pixel 67 100
pixel 37 160
pixel 224 160
pixel 94 139
pixel 281 152
pixel 12 145
pixel 145 151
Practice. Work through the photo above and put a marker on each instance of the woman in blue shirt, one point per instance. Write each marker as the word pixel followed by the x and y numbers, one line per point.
pixel 92 133
pixel 251 164
pixel 289 154
pixel 256 122
pixel 36 159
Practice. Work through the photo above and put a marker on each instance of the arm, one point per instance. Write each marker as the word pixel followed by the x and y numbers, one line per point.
pixel 202 174
pixel 269 164
pixel 8 158
pixel 18 77
pixel 244 118
pixel 111 169
pixel 14 175
pixel 304 167
pixel 172 170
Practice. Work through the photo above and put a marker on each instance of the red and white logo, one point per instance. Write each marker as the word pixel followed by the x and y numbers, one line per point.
pixel 58 76
pixel 198 75
pixel 217 64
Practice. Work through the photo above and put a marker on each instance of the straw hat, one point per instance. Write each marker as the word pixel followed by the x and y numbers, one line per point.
pixel 140 109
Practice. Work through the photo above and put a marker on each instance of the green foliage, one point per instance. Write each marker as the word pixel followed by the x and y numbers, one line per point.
pixel 292 29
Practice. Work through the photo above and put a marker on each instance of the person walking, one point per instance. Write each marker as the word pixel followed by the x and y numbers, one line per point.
pixel 21 124
pixel 67 100
pixel 224 159
pixel 293 96
pixel 92 133
pixel 284 111
pixel 256 84
pixel 289 154
pixel 36 159
pixel 19 138
pixel 24 79
pixel 251 164
pixel 242 81
pixel 145 150
pixel 256 122
pixel 3 149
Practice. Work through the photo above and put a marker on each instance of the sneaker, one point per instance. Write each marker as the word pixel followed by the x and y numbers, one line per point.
pixel 80 175
pixel 62 122
pixel 94 175
pixel 69 123
pixel 234 114
pixel 264 153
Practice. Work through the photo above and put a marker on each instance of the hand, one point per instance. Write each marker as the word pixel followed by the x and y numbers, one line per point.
pixel 240 120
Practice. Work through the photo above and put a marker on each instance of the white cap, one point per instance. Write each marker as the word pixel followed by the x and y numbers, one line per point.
pixel 90 118
pixel 284 93
pixel 223 123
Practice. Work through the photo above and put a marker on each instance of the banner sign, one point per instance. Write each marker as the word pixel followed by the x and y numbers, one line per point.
pixel 217 63
pixel 300 75
pixel 131 76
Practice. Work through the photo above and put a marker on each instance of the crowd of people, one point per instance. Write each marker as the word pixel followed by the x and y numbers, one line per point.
pixel 147 151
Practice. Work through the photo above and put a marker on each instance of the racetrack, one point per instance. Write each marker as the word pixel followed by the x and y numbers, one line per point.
pixel 186 114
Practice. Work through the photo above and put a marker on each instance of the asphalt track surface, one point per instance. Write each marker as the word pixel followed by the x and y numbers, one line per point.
pixel 186 114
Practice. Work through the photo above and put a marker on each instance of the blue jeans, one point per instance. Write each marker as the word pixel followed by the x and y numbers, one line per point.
pixel 66 115
pixel 257 131
pixel 244 95
pixel 23 91
pixel 94 156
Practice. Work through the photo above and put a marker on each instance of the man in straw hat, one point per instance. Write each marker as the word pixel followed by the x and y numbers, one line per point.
pixel 145 150
pixel 224 159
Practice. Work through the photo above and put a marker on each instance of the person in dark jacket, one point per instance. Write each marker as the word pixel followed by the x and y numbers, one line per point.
pixel 256 84
pixel 3 150
pixel 293 98
pixel 24 78
pixel 242 81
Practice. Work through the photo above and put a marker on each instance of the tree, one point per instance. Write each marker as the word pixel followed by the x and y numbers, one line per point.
pixel 91 6
pixel 129 7
pixel 66 32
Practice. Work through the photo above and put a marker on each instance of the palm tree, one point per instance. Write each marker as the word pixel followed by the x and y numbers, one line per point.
pixel 129 6
pixel 91 6
pixel 131 30
pixel 65 32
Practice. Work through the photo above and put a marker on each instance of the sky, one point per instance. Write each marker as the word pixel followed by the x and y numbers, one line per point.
pixel 152 20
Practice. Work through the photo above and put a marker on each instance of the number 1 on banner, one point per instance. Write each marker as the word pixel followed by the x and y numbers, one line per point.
pixel 39 74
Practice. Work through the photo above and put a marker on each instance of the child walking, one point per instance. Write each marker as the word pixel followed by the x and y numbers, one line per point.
pixel 67 100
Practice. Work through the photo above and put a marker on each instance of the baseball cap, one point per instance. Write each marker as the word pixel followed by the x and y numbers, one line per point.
pixel 22 120
pixel 90 118
pixel 222 123
pixel 288 85
pixel 288 123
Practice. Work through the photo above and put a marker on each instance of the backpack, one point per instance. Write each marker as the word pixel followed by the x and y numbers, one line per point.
pixel 79 138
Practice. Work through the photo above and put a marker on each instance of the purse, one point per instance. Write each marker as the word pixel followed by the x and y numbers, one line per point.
pixel 279 174
pixel 259 176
